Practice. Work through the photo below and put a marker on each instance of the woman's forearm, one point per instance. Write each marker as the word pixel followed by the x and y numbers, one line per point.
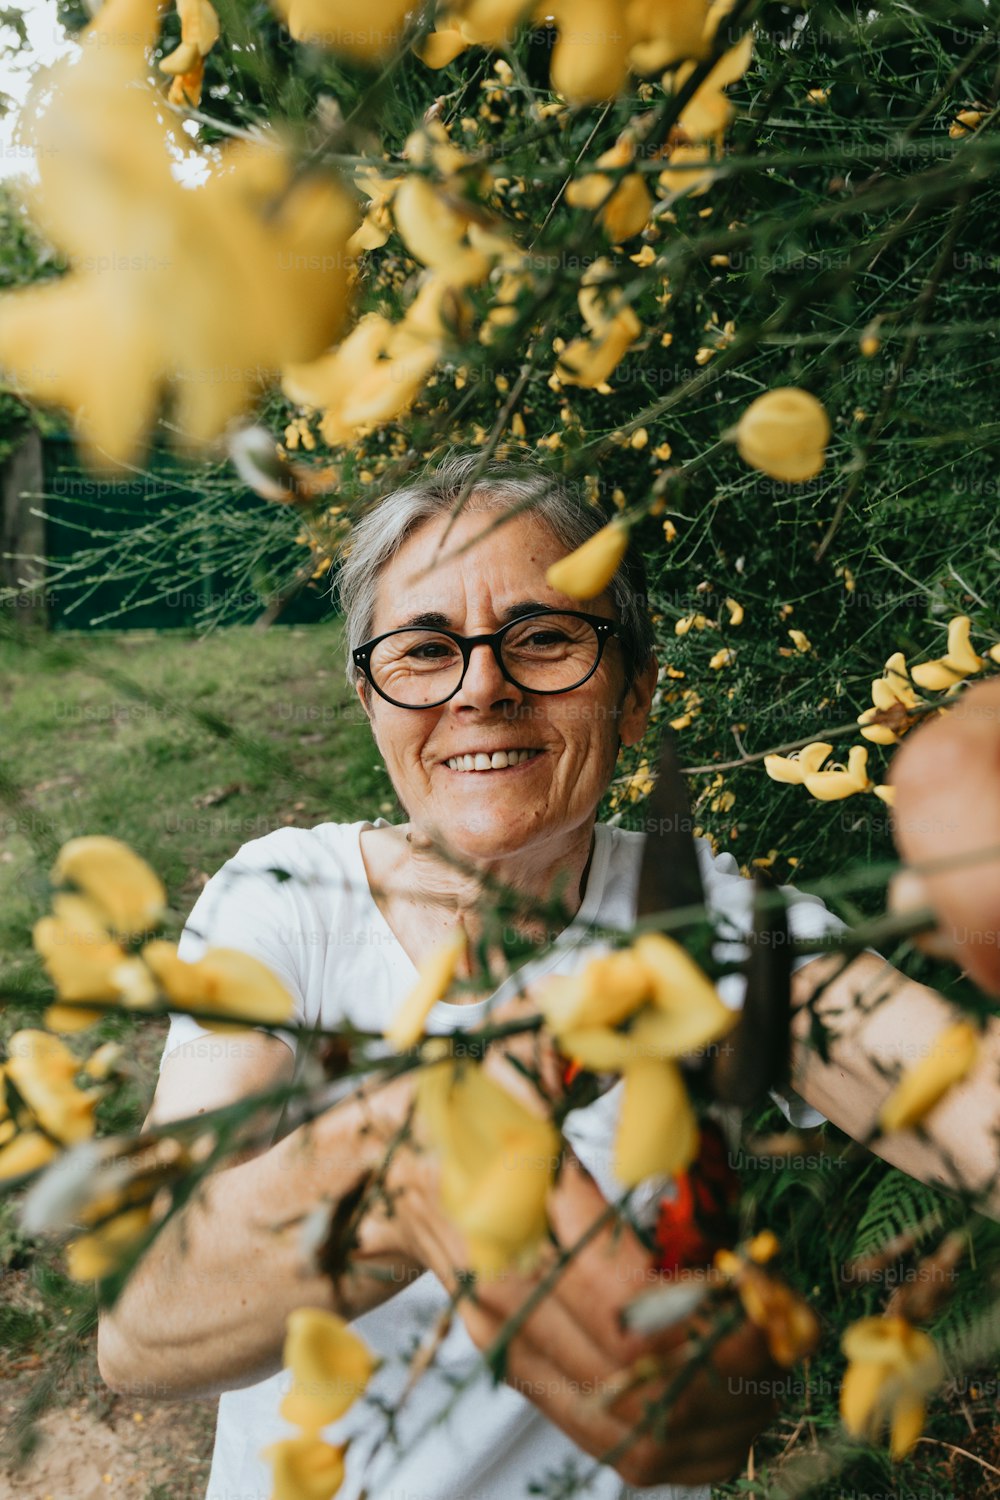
pixel 879 1023
pixel 205 1309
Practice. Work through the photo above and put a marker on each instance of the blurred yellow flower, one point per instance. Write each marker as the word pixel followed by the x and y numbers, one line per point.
pixel 363 29
pixel 603 993
pixel 625 211
pixel 84 962
pixel 436 974
pixel 800 640
pixel 224 982
pixel 117 882
pixel 586 572
pixel 722 658
pixel 241 274
pixel 959 661
pixel 787 1321
pixel 305 1468
pixel 657 1127
pixel 784 433
pixel 42 1069
pixel 952 1056
pixel 893 1367
pixel 103 1250
pixel 736 612
pixel 497 1163
pixel 25 1152
pixel 329 1364
pixel 590 57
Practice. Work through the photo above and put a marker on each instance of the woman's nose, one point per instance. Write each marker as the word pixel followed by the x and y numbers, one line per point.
pixel 484 685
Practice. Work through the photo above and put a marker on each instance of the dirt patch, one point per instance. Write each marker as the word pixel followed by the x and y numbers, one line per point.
pixel 117 1449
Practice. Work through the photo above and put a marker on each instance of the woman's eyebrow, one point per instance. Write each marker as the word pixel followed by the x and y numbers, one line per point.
pixel 432 619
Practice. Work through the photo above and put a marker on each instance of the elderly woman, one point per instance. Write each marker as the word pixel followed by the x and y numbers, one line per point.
pixel 501 750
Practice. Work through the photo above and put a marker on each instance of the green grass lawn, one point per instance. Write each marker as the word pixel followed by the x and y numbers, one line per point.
pixel 184 748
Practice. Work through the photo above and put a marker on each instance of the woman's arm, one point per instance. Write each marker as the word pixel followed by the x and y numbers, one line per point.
pixel 205 1309
pixel 870 1045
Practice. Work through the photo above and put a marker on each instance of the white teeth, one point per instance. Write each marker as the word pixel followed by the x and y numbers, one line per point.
pixel 495 762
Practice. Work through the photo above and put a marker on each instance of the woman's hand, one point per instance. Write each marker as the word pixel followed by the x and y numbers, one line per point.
pixel 571 1356
pixel 947 780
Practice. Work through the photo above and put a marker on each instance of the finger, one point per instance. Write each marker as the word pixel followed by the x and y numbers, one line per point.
pixel 610 1269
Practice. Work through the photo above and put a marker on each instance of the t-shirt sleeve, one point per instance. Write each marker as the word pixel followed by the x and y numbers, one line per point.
pixel 246 905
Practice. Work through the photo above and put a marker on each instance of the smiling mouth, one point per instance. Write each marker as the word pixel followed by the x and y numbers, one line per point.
pixel 500 760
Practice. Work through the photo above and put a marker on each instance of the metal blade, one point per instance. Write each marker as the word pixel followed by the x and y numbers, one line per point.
pixel 754 1057
pixel 670 877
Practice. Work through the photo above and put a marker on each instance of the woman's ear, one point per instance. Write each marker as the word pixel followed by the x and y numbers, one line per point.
pixel 637 703
pixel 361 687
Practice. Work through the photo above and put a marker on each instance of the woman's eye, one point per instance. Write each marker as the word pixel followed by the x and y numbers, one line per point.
pixel 430 651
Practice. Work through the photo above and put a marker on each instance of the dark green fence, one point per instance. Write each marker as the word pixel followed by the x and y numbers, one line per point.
pixel 112 542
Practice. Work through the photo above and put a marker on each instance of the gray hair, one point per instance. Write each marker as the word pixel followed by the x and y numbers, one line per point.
pixel 378 536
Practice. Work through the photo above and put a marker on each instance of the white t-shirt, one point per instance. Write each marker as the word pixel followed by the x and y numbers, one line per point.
pixel 459 1436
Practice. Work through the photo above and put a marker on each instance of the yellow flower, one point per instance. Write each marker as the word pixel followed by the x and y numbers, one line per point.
pixel 682 992
pixel 965 121
pixel 186 64
pixel 305 1468
pixel 679 177
pixel 364 29
pixel 42 1069
pixel 127 893
pixel 330 1367
pixel 85 963
pixel 606 991
pixel 623 212
pixel 589 362
pixel 959 661
pixel 99 1253
pixel 664 34
pixel 794 769
pixel 722 658
pixel 657 1128
pixel 497 1163
pixel 893 1367
pixel 436 974
pixel 691 622
pixel 841 781
pixel 736 612
pixel 892 698
pixel 441 46
pixel 590 58
pixel 587 572
pixel 244 273
pixel 224 981
pixel 952 1056
pixel 434 233
pixel 784 433
pixel 800 640
pixel 26 1152
pixel 787 1321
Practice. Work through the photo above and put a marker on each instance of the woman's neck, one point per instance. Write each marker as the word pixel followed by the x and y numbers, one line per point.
pixel 421 877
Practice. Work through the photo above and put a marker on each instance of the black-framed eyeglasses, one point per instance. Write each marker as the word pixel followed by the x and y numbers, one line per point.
pixel 547 651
